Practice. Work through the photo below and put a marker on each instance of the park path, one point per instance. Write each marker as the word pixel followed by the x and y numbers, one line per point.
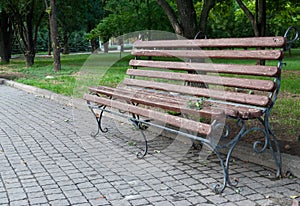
pixel 47 157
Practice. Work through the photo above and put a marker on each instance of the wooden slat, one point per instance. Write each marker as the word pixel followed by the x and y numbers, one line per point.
pixel 275 42
pixel 262 85
pixel 201 128
pixel 152 99
pixel 242 98
pixel 242 112
pixel 177 103
pixel 227 54
pixel 257 70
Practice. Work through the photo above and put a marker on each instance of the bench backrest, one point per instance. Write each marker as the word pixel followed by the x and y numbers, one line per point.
pixel 223 70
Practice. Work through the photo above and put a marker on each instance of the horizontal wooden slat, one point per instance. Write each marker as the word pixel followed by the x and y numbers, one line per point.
pixel 201 128
pixel 208 43
pixel 152 99
pixel 262 85
pixel 257 70
pixel 177 103
pixel 227 54
pixel 238 111
pixel 242 98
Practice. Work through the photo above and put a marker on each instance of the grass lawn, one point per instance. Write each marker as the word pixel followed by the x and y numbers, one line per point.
pixel 82 70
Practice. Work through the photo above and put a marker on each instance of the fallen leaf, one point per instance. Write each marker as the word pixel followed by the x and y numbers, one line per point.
pixel 287 147
pixel 101 198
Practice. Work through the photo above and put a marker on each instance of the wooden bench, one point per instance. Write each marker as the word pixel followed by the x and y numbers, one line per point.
pixel 206 82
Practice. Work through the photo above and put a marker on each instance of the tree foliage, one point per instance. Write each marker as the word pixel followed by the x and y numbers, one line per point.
pixel 126 16
pixel 26 16
pixel 23 20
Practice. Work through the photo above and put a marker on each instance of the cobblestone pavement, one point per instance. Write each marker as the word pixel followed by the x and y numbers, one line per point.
pixel 47 157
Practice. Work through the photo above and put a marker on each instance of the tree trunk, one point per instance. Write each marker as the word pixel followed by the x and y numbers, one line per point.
pixel 207 6
pixel 258 20
pixel 106 47
pixel 171 15
pixel 29 56
pixel 94 45
pixel 5 37
pixel 185 23
pixel 30 47
pixel 66 43
pixel 188 18
pixel 49 39
pixel 261 18
pixel 54 36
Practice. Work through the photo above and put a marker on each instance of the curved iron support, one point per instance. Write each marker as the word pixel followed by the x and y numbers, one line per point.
pixel 258 146
pixel 99 121
pixel 231 145
pixel 218 188
pixel 139 126
pixel 272 138
pixel 210 143
pixel 289 42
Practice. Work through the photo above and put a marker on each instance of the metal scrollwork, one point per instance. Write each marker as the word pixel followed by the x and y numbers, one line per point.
pixel 289 42
pixel 98 119
pixel 139 126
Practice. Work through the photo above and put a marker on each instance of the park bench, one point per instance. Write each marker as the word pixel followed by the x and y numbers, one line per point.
pixel 195 88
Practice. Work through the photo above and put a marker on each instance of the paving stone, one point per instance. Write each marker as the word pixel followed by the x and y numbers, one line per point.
pixel 18 203
pixel 72 193
pixel 198 200
pixel 163 203
pixel 246 202
pixel 255 197
pixel 216 199
pixel 154 199
pixel 3 200
pixel 182 202
pixel 38 201
pixel 77 200
pixel 229 204
pixel 139 202
pixel 60 202
pixel 120 202
pixel 235 197
pixel 57 196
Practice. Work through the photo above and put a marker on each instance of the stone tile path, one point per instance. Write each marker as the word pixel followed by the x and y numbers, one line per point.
pixel 47 157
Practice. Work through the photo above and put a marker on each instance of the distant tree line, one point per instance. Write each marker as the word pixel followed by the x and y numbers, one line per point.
pixel 25 23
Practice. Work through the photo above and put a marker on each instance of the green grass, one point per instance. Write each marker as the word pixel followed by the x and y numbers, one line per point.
pixel 62 82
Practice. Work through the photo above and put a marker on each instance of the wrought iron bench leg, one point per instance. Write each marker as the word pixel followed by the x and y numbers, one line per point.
pixel 271 138
pixel 138 125
pixel 99 121
pixel 231 145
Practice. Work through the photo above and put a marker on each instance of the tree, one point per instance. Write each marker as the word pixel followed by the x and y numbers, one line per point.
pixel 258 19
pixel 26 16
pixel 54 33
pixel 126 16
pixel 70 19
pixel 6 34
pixel 93 14
pixel 185 23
